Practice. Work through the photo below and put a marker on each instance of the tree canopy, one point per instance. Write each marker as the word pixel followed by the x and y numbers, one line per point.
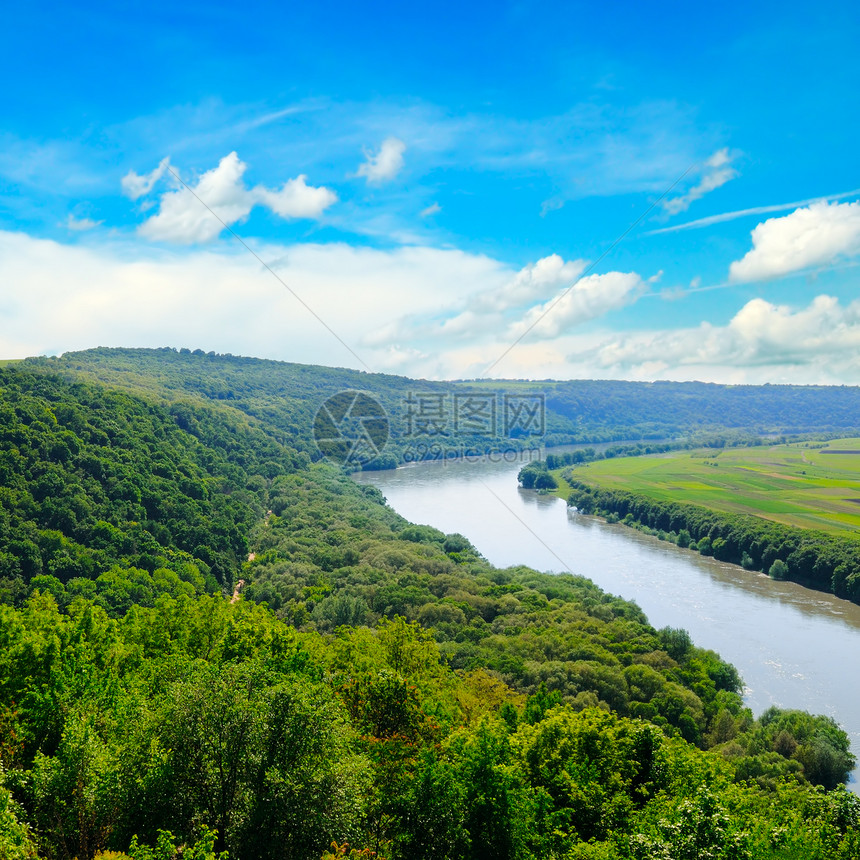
pixel 374 689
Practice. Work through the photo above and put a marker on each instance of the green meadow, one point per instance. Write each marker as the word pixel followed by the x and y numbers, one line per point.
pixel 809 484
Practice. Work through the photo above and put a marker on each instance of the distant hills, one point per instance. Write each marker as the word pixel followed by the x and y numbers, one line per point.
pixel 429 419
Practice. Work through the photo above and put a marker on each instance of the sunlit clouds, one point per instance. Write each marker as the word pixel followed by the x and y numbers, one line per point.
pixel 815 235
pixel 218 199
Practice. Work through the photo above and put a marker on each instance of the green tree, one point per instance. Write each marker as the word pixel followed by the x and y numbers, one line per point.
pixel 16 838
pixel 778 570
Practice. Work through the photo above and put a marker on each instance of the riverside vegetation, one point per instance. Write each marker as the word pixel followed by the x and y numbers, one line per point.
pixel 377 689
pixel 786 510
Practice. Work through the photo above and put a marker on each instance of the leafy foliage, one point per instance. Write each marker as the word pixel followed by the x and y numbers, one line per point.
pixel 376 689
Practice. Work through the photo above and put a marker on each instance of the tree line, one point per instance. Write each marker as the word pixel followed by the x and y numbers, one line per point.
pixel 827 562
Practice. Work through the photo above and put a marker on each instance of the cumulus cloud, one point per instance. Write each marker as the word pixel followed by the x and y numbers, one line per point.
pixel 122 292
pixel 475 327
pixel 810 343
pixel 531 283
pixel 717 171
pixel 475 312
pixel 220 198
pixel 815 235
pixel 183 218
pixel 296 199
pixel 127 293
pixel 589 298
pixel 385 164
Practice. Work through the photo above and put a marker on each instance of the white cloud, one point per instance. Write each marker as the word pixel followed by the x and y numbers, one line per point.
pixel 386 164
pixel 135 186
pixel 531 283
pixel 80 225
pixel 432 209
pixel 468 330
pixel 296 199
pixel 476 312
pixel 716 173
pixel 183 218
pixel 755 210
pixel 815 235
pixel 589 298
pixel 763 341
pixel 127 293
pixel 591 148
pixel 220 198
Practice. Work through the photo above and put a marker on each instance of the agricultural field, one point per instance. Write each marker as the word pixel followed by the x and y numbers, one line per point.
pixel 808 484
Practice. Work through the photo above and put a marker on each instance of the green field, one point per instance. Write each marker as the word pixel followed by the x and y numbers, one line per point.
pixel 808 484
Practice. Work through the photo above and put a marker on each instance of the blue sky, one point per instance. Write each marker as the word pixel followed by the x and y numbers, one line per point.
pixel 436 184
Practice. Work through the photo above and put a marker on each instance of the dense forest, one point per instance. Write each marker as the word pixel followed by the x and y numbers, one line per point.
pixel 212 646
pixel 431 420
pixel 427 420
pixel 676 408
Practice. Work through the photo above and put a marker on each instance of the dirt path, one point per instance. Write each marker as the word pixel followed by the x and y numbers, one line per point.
pixel 237 589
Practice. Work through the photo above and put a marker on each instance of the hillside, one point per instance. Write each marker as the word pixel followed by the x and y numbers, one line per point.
pixel 374 682
pixel 681 407
pixel 465 417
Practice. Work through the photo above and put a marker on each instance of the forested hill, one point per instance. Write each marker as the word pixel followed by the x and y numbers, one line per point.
pixel 684 406
pixel 93 477
pixel 284 398
pixel 374 683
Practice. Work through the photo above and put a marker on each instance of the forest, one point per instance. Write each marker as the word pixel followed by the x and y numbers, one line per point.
pixel 283 399
pixel 213 646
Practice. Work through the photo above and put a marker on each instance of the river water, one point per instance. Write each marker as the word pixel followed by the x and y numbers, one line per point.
pixel 793 647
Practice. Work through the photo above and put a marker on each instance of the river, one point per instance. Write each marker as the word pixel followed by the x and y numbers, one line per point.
pixel 793 647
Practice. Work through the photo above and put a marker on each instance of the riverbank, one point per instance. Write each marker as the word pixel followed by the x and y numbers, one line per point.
pixel 810 485
pixel 733 533
pixel 784 639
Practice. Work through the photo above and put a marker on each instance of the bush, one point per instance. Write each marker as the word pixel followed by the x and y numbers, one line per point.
pixel 778 570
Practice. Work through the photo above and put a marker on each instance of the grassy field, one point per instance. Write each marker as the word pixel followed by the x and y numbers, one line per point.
pixel 809 484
